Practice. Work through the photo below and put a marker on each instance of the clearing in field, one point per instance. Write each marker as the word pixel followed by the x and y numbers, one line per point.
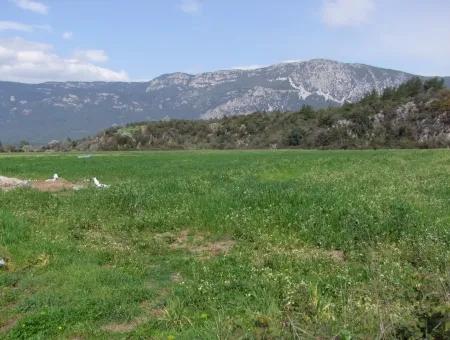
pixel 254 244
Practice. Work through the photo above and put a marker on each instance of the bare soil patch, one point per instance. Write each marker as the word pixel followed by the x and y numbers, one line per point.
pixel 149 312
pixel 54 186
pixel 336 255
pixel 213 248
pixel 123 327
pixel 197 244
pixel 9 183
pixel 9 324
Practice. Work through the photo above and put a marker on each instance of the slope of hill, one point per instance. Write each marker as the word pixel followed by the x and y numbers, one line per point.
pixel 416 114
pixel 42 112
pixel 447 81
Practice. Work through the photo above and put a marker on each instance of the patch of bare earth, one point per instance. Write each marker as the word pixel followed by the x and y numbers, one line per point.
pixel 9 324
pixel 149 312
pixel 54 186
pixel 197 244
pixel 336 255
pixel 60 184
pixel 123 327
pixel 213 248
pixel 9 183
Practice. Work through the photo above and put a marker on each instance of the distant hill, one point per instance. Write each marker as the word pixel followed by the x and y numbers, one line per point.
pixel 42 112
pixel 447 81
pixel 416 114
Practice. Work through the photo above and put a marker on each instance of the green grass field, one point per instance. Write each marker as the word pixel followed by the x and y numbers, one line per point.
pixel 229 245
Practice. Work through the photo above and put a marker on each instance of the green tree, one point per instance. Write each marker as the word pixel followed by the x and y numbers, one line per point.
pixel 294 137
pixel 307 111
pixel 434 83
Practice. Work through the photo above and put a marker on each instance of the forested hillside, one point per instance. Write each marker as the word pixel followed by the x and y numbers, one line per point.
pixel 416 114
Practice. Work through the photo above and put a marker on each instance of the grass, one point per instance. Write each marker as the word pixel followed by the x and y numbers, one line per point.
pixel 218 244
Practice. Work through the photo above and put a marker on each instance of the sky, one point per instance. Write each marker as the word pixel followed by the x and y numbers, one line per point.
pixel 137 40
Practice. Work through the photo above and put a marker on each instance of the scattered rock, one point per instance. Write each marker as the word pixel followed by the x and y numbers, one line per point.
pixel 2 263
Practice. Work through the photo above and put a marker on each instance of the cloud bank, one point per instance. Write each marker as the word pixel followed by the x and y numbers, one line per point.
pixel 190 6
pixel 31 62
pixel 95 56
pixel 30 5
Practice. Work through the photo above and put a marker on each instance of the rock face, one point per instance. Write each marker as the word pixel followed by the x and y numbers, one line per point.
pixel 282 87
pixel 42 112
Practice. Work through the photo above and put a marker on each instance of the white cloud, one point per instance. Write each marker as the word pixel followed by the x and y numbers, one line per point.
pixel 247 67
pixel 190 6
pixel 67 35
pixel 346 12
pixel 31 62
pixel 18 26
pixel 95 56
pixel 31 5
pixel 15 26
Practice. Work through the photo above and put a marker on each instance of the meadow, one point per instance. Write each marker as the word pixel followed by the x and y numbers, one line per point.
pixel 228 245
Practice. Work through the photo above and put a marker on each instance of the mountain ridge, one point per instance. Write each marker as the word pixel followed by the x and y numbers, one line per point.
pixel 56 110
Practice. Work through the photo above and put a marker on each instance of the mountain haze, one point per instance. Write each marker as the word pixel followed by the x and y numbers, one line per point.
pixel 56 110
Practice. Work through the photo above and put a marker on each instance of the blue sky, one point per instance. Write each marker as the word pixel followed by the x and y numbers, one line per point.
pixel 43 40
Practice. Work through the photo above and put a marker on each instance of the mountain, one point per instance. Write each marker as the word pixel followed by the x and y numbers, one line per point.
pixel 42 112
pixel 414 115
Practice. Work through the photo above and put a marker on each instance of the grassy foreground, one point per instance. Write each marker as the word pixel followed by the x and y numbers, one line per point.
pixel 256 244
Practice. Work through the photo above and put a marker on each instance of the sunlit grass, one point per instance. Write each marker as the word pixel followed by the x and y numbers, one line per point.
pixel 350 243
